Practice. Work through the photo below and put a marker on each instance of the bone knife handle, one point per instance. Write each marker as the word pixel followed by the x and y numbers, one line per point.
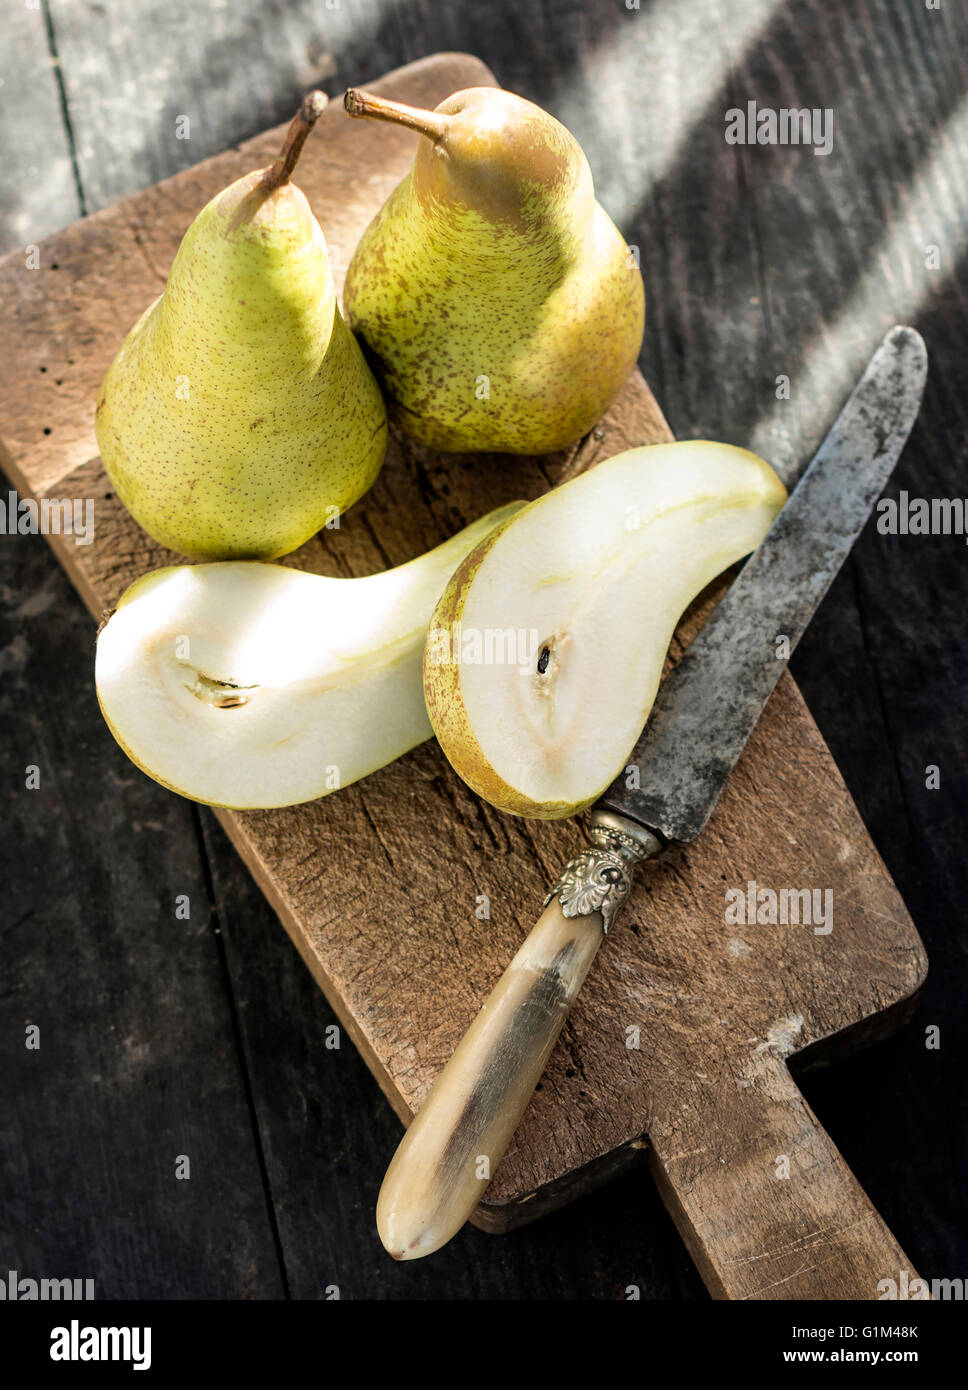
pixel 460 1134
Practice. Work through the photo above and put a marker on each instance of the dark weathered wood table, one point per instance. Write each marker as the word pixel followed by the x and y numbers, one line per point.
pixel 771 272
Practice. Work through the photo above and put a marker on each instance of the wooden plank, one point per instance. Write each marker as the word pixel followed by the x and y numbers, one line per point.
pixel 137 1060
pixel 405 973
pixel 38 191
pixel 211 79
pixel 838 250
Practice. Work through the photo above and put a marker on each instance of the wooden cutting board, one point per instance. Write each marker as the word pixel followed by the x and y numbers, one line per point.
pixel 406 895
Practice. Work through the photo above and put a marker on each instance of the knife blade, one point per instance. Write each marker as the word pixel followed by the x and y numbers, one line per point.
pixel 700 723
pixel 706 708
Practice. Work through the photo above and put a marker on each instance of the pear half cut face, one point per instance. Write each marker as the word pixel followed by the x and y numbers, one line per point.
pixel 250 685
pixel 586 585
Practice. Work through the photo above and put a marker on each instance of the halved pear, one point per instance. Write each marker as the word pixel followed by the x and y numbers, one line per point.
pixel 251 685
pixel 545 651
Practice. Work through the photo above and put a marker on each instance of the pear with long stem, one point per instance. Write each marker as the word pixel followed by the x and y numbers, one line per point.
pixel 498 303
pixel 239 416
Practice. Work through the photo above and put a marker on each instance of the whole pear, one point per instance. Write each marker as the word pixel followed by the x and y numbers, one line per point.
pixel 497 301
pixel 239 415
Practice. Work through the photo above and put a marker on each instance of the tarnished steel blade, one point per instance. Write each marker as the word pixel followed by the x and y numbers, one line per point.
pixel 709 704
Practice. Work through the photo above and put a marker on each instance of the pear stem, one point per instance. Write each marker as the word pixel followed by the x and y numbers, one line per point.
pixel 429 123
pixel 312 107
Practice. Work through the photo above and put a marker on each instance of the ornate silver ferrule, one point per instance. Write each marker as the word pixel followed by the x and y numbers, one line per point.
pixel 600 879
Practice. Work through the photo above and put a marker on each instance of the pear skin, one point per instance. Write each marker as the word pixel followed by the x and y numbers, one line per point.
pixel 239 415
pixel 497 301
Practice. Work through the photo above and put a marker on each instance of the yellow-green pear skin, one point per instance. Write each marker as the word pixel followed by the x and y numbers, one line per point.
pixel 590 579
pixel 448 716
pixel 239 416
pixel 497 302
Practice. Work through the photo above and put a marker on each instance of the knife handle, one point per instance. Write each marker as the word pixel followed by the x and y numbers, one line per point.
pixel 461 1132
pixel 454 1145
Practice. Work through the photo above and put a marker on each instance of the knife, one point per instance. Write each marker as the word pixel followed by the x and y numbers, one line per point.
pixel 703 715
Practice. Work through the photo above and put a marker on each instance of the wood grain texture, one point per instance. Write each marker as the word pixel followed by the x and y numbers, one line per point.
pixel 38 190
pixel 600 1096
pixel 137 1061
pixel 841 251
